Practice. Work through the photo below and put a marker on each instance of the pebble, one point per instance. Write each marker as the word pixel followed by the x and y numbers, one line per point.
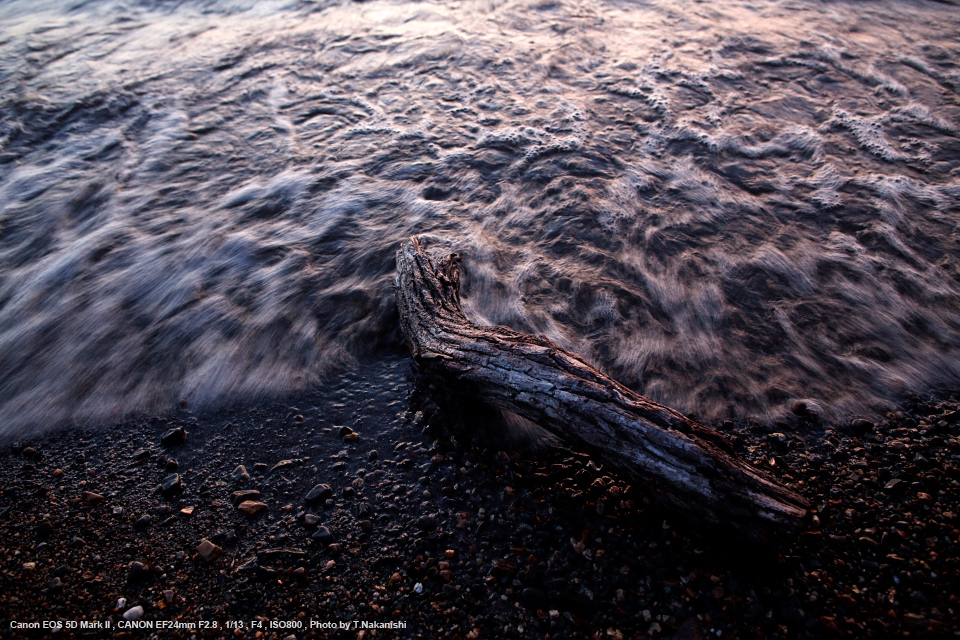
pixel 860 426
pixel 240 474
pixel 241 496
pixel 143 521
pixel 323 536
pixel 171 484
pixel 894 485
pixel 251 508
pixel 310 520
pixel 133 613
pixel 173 437
pixel 187 511
pixel 427 522
pixel 91 498
pixel 319 492
pixel 208 551
pixel 283 464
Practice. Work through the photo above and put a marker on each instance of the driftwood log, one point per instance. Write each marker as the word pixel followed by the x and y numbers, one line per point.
pixel 686 466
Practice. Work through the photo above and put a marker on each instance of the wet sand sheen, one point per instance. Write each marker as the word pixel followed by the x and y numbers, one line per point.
pixel 728 208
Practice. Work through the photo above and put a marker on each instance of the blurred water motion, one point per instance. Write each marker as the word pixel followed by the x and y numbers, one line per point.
pixel 202 199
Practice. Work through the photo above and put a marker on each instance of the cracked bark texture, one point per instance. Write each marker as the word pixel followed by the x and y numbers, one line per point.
pixel 686 466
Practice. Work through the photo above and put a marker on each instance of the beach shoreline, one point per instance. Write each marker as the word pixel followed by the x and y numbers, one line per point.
pixel 455 534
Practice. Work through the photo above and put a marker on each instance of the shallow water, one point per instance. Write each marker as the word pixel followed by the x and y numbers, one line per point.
pixel 728 206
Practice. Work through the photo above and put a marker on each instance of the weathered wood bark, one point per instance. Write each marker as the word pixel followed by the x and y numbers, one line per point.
pixel 687 466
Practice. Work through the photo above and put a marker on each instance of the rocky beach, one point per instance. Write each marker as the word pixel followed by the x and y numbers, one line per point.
pixel 381 502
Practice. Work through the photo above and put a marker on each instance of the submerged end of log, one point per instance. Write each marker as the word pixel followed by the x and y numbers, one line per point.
pixel 686 466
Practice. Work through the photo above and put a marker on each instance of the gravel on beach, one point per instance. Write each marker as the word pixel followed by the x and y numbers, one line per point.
pixel 367 502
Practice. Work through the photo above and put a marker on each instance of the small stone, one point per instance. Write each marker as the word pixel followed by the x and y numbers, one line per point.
pixel 143 522
pixel 173 437
pixel 330 564
pixel 449 554
pixel 240 474
pixel 133 613
pixel 29 566
pixel 186 512
pixel 171 484
pixel 323 536
pixel 349 492
pixel 55 585
pixel 241 496
pixel 366 526
pixel 208 551
pixel 352 437
pixel 373 455
pixel 345 431
pixel 860 426
pixel 310 520
pixel 427 522
pixel 168 596
pixel 319 492
pixel 283 464
pixel 141 454
pixel 894 485
pixel 91 498
pixel 251 508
